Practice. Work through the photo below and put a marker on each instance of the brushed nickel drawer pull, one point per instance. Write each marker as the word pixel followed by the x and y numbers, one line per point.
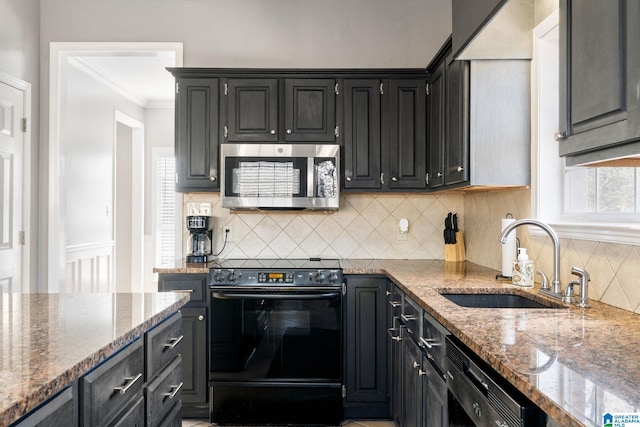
pixel 173 342
pixel 175 389
pixel 129 382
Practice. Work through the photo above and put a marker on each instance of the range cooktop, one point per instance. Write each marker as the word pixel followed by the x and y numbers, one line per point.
pixel 290 272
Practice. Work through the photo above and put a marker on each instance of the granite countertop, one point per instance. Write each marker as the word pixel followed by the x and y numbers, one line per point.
pixel 49 340
pixel 573 363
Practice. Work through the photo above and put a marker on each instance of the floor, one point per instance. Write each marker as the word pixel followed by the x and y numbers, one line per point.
pixel 358 423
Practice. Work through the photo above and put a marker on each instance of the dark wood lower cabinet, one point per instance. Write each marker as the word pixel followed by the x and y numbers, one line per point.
pixel 195 349
pixel 413 382
pixel 365 373
pixel 58 411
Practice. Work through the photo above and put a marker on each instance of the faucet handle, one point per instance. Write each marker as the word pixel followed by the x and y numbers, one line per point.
pixel 569 295
pixel 545 280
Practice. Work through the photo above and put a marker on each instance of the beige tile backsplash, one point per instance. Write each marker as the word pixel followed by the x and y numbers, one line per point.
pixel 614 268
pixel 366 226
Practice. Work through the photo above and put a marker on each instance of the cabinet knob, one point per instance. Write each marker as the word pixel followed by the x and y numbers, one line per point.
pixel 212 178
pixel 394 179
pixel 273 132
pixel 289 132
pixel 559 136
pixel 460 169
pixel 201 317
pixel 348 179
pixel 439 174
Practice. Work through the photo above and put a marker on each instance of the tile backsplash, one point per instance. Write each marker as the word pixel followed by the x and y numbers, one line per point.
pixel 366 226
pixel 614 268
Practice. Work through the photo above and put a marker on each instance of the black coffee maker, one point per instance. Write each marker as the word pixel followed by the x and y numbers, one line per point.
pixel 199 242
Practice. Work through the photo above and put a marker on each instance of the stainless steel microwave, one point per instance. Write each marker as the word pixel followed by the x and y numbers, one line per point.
pixel 280 176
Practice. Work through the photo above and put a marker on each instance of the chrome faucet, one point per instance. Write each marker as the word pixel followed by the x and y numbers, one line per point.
pixel 556 290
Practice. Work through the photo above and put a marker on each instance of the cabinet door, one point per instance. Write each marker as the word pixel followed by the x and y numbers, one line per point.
pixel 407 139
pixel 197 134
pixel 435 399
pixel 194 357
pixel 310 110
pixel 436 113
pixel 456 165
pixel 599 74
pixel 252 110
pixel 365 345
pixel 361 134
pixel 413 377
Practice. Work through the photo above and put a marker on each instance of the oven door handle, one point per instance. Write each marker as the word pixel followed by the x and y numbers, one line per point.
pixel 280 295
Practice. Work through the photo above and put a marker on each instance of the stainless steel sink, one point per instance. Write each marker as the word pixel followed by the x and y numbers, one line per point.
pixel 498 301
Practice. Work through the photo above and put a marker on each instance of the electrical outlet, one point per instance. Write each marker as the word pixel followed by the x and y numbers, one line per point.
pixel 402 235
pixel 228 233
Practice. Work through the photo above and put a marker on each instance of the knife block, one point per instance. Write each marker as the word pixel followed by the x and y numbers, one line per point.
pixel 456 251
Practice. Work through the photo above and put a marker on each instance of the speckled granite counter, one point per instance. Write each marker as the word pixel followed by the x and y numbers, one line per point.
pixel 573 363
pixel 49 340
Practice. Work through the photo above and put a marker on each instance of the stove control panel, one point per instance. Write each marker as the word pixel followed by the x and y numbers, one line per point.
pixel 305 277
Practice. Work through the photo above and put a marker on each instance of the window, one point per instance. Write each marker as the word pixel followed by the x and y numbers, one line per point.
pixel 580 202
pixel 164 172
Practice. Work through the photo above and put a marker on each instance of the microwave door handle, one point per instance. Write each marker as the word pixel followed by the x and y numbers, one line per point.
pixel 305 296
pixel 310 177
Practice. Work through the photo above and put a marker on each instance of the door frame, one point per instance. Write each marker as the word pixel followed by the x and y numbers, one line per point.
pixel 25 88
pixel 137 198
pixel 52 268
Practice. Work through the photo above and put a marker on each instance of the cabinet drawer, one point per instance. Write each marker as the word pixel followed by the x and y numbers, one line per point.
pixel 433 341
pixel 163 343
pixel 411 317
pixel 112 385
pixel 194 283
pixel 132 417
pixel 174 419
pixel 163 392
pixel 57 412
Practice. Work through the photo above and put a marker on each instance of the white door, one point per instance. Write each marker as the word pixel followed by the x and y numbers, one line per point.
pixel 11 190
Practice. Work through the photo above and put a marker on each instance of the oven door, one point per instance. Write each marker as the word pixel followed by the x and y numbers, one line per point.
pixel 276 355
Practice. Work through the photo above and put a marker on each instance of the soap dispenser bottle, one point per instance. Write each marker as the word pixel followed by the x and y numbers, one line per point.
pixel 523 270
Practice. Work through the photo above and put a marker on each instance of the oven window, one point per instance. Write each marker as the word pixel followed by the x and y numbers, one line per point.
pixel 284 339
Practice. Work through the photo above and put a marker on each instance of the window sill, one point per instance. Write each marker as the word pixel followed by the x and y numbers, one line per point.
pixel 600 232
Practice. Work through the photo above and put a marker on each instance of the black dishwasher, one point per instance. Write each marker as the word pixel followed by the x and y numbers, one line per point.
pixel 479 397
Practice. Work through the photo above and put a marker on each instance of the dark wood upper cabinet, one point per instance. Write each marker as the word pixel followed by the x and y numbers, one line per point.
pixel 277 110
pixel 599 77
pixel 406 133
pixel 448 118
pixel 252 110
pixel 456 159
pixel 361 134
pixel 436 115
pixel 310 110
pixel 196 134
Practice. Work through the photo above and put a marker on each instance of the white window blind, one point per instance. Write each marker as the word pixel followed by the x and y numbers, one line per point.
pixel 165 172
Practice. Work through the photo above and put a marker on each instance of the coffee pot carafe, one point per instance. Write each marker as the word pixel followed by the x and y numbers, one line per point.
pixel 199 242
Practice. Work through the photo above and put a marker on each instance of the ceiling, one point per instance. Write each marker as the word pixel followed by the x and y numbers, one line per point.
pixel 140 76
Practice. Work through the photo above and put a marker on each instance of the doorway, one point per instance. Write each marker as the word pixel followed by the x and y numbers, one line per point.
pixel 96 220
